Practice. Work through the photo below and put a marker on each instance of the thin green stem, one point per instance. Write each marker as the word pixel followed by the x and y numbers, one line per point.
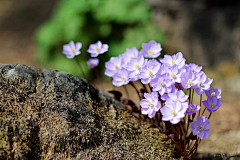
pixel 80 67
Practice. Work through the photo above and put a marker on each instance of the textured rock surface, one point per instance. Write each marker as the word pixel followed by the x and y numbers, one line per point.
pixel 45 114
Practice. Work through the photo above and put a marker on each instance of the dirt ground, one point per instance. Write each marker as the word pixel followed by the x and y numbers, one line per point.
pixel 17 46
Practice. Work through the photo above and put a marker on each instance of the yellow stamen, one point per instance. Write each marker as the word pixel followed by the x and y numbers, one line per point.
pixel 173 113
pixel 191 109
pixel 173 62
pixel 212 105
pixel 150 104
pixel 213 94
pixel 189 81
pixel 97 49
pixel 173 75
pixel 150 52
pixel 162 83
pixel 200 84
pixel 200 128
pixel 72 50
pixel 116 67
pixel 123 79
pixel 150 73
pixel 137 66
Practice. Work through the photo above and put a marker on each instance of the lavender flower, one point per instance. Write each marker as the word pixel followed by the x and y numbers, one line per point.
pixel 71 49
pixel 188 80
pixel 193 67
pixel 203 83
pixel 212 104
pixel 97 48
pixel 173 112
pixel 201 127
pixel 176 59
pixel 175 73
pixel 162 84
pixel 149 71
pixel 193 108
pixel 151 49
pixel 130 54
pixel 134 67
pixel 92 62
pixel 113 65
pixel 150 105
pixel 213 92
pixel 121 78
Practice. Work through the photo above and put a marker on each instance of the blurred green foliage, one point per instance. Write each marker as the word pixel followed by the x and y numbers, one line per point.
pixel 119 23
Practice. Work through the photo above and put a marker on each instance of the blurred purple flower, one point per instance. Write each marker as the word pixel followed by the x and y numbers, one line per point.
pixel 121 78
pixel 203 83
pixel 150 105
pixel 134 67
pixel 201 127
pixel 92 62
pixel 113 65
pixel 212 104
pixel 173 112
pixel 97 48
pixel 176 59
pixel 188 80
pixel 151 49
pixel 71 49
pixel 162 84
pixel 149 71
pixel 214 92
pixel 192 108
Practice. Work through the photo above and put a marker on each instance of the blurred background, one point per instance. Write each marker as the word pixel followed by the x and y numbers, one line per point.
pixel 207 32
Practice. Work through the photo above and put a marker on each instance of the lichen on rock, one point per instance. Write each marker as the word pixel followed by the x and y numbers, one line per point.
pixel 46 114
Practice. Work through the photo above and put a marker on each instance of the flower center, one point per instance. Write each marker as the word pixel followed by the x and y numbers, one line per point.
pixel 150 104
pixel 123 79
pixel 212 105
pixel 150 52
pixel 173 113
pixel 162 83
pixel 97 49
pixel 173 62
pixel 173 75
pixel 200 128
pixel 137 66
pixel 150 73
pixel 72 50
pixel 213 94
pixel 116 67
pixel 191 109
pixel 189 81
pixel 200 84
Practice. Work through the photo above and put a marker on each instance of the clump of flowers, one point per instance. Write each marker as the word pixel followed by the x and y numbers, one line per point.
pixel 166 96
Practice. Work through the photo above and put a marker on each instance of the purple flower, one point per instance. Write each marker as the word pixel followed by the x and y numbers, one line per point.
pixel 212 104
pixel 121 78
pixel 214 92
pixel 97 48
pixel 150 105
pixel 176 59
pixel 130 54
pixel 201 127
pixel 175 73
pixel 203 83
pixel 71 49
pixel 173 112
pixel 113 65
pixel 193 67
pixel 149 71
pixel 92 62
pixel 162 84
pixel 151 49
pixel 188 80
pixel 134 67
pixel 193 108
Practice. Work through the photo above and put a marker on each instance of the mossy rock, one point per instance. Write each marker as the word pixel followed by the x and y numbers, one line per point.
pixel 46 114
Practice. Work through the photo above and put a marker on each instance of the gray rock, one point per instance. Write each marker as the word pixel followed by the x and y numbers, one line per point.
pixel 46 114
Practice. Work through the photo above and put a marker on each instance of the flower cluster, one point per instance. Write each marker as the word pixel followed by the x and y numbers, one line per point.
pixel 71 50
pixel 172 83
